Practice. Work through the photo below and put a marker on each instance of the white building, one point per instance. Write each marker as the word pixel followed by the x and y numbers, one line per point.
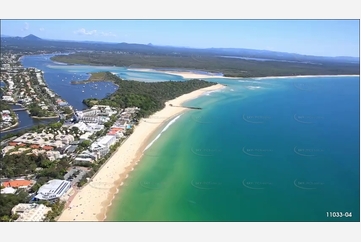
pixel 53 155
pixel 30 212
pixel 8 98
pixel 85 136
pixel 8 190
pixel 88 127
pixel 66 139
pixel 53 189
pixel 107 140
pixel 99 150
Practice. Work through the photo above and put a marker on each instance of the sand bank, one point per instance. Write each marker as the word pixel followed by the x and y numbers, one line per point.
pixel 184 74
pixel 305 76
pixel 92 201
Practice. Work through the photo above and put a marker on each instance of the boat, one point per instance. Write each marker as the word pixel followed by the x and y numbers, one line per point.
pixel 82 91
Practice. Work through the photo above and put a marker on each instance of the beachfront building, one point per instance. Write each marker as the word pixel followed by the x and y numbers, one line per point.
pixel 107 140
pixel 117 132
pixel 52 190
pixel 30 212
pixel 120 124
pixel 98 149
pixel 88 127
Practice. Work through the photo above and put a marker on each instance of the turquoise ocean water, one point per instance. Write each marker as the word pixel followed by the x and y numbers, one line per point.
pixel 284 149
pixel 259 150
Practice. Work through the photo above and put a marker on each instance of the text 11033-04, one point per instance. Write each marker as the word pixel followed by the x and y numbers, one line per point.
pixel 339 214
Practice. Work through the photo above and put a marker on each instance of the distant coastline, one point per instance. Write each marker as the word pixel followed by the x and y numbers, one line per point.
pixel 188 74
pixel 299 76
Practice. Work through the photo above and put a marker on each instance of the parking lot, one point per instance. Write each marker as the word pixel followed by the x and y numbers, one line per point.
pixel 75 174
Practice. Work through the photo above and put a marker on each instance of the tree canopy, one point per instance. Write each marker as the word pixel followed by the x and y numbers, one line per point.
pixel 148 96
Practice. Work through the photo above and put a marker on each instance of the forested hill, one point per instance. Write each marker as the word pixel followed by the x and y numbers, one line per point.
pixel 148 96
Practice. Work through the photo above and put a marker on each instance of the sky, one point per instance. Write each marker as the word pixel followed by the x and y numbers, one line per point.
pixel 309 37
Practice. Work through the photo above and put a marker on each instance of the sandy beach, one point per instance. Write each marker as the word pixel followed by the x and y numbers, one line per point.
pixel 194 75
pixel 184 74
pixel 92 201
pixel 305 76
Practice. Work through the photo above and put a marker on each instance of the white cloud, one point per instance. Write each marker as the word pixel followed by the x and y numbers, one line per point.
pixel 82 31
pixel 26 26
pixel 42 29
pixel 110 34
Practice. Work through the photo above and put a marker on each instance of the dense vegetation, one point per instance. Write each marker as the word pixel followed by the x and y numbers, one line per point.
pixel 56 210
pixel 94 77
pixel 8 201
pixel 148 96
pixel 4 105
pixel 22 164
pixel 231 67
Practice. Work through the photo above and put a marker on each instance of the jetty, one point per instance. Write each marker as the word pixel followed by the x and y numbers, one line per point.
pixel 184 107
pixel 19 109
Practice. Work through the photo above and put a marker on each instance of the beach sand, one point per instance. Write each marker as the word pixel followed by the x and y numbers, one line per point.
pixel 92 201
pixel 194 75
pixel 184 74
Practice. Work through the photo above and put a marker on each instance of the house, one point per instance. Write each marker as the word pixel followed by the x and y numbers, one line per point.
pixel 65 139
pixel 35 146
pixel 86 157
pixel 54 143
pixel 8 190
pixel 5 112
pixel 46 147
pixel 53 155
pixel 19 183
pixel 30 212
pixel 8 98
pixel 117 132
pixel 7 149
pixel 13 143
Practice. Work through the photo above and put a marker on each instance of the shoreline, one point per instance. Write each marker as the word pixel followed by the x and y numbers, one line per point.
pixel 10 127
pixel 299 76
pixel 185 74
pixel 192 74
pixel 93 201
pixel 51 117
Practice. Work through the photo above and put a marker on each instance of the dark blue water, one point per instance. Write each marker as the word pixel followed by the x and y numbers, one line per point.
pixel 25 122
pixel 59 80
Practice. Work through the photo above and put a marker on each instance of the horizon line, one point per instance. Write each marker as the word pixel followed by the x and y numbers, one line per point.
pixel 197 48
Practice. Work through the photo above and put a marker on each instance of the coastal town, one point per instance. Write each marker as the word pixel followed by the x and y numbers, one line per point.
pixel 70 168
pixel 53 162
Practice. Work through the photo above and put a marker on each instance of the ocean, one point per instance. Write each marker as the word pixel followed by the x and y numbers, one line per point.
pixel 260 150
pixel 283 149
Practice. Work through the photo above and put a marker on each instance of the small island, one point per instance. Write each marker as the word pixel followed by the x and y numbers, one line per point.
pixel 94 77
